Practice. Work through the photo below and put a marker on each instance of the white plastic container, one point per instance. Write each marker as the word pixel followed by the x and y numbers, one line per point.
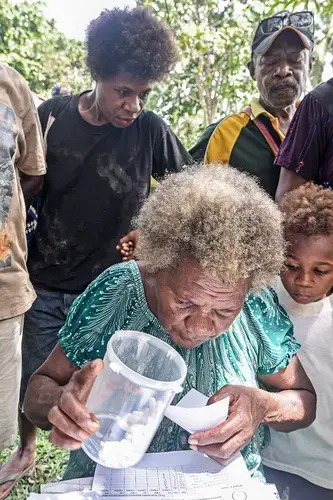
pixel 140 378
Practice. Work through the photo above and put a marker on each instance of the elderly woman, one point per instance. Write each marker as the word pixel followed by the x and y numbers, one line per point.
pixel 209 236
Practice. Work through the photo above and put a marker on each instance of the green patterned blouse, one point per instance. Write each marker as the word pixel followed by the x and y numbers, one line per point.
pixel 259 342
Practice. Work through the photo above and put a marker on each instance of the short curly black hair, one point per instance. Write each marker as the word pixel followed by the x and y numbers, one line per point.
pixel 308 210
pixel 129 41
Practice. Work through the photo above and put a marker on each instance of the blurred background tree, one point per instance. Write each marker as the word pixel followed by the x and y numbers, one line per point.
pixel 43 55
pixel 210 80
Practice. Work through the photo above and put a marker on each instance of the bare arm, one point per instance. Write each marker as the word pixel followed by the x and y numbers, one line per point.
pixel 57 396
pixel 31 185
pixel 291 400
pixel 46 386
pixel 287 182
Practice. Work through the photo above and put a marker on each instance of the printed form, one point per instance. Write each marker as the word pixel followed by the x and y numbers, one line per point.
pixel 182 474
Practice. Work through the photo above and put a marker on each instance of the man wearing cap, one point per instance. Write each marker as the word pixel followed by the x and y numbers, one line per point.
pixel 280 65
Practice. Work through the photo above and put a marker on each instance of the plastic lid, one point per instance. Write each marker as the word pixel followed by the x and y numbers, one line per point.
pixel 137 378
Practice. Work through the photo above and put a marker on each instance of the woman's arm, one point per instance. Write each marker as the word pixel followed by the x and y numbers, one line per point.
pixel 292 407
pixel 291 400
pixel 56 398
pixel 31 185
pixel 287 182
pixel 46 386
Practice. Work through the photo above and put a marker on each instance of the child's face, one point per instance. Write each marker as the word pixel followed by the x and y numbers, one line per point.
pixel 309 274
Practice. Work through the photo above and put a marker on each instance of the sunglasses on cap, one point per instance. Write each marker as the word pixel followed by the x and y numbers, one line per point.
pixel 298 20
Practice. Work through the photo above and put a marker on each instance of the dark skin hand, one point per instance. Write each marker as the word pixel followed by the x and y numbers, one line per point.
pixel 31 185
pixel 70 417
pixel 58 402
pixel 128 244
pixel 287 182
pixel 249 407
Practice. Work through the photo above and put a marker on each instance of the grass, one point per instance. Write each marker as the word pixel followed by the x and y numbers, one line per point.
pixel 49 467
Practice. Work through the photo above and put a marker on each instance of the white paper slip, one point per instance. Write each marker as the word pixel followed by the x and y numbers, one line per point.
pixel 192 413
pixel 64 496
pixel 178 475
pixel 80 484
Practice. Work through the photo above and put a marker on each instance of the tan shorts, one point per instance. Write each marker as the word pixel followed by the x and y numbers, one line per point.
pixel 10 377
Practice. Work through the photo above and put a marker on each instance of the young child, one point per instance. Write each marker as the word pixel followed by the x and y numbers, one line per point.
pixel 304 290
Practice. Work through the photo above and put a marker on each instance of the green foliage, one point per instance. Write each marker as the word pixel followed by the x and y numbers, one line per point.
pixel 33 46
pixel 50 466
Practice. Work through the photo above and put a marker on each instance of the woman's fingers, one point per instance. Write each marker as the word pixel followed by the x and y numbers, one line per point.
pixel 219 434
pixel 128 244
pixel 77 412
pixel 225 391
pixel 125 246
pixel 71 420
pixel 126 252
pixel 128 247
pixel 132 236
pixel 226 451
pixel 83 380
pixel 62 423
pixel 245 415
pixel 60 439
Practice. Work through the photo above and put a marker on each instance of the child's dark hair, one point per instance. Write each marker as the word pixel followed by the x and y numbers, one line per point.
pixel 308 210
pixel 129 41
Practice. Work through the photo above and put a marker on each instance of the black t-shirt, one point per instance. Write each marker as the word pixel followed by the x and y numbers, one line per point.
pixel 97 179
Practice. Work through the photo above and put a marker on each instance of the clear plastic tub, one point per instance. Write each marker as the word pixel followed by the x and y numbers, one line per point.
pixel 140 378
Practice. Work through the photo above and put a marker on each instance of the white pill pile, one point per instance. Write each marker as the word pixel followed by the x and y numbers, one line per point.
pixel 139 427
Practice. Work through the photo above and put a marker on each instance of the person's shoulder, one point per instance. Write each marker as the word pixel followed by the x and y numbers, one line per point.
pixel 99 311
pixel 55 105
pixel 323 94
pixel 224 138
pixel 117 274
pixel 15 90
pixel 265 308
pixel 151 119
pixel 235 120
pixel 154 127
pixel 116 280
pixel 263 298
pixel 207 133
pixel 199 149
pixel 210 129
pixel 12 78
pixel 111 290
pixel 322 90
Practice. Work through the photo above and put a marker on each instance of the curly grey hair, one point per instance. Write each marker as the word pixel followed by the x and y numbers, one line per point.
pixel 219 216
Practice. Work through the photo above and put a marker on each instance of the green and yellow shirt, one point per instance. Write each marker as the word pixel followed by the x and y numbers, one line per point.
pixel 238 141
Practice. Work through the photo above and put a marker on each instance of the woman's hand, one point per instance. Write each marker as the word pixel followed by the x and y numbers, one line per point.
pixel 127 245
pixel 247 410
pixel 72 423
